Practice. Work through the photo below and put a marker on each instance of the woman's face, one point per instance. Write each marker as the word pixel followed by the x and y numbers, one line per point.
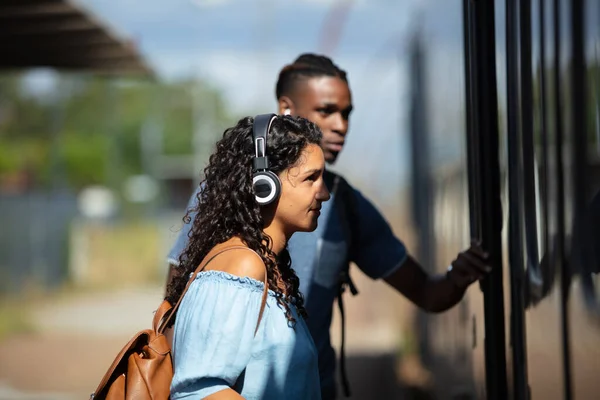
pixel 302 192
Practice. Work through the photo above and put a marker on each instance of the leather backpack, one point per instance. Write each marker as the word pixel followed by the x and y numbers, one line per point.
pixel 143 369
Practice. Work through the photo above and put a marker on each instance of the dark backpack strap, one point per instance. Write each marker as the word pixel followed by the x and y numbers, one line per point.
pixel 349 217
pixel 348 209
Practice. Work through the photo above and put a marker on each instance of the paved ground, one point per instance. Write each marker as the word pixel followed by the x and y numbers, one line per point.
pixel 75 340
pixel 77 337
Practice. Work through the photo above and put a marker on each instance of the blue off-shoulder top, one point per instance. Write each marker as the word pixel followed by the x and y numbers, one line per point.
pixel 214 346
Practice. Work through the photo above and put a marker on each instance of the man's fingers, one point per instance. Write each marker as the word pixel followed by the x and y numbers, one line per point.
pixel 463 279
pixel 469 261
pixel 479 252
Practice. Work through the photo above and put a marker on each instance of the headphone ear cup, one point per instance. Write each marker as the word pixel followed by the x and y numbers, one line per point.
pixel 266 186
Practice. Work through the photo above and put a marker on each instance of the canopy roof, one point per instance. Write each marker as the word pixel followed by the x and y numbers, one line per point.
pixel 61 34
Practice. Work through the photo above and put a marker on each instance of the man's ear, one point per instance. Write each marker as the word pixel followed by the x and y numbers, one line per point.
pixel 285 106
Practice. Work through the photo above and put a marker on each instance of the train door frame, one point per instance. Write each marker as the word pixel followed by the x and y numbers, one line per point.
pixel 485 206
pixel 519 136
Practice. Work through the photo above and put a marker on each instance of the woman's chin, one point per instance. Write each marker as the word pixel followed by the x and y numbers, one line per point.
pixel 309 227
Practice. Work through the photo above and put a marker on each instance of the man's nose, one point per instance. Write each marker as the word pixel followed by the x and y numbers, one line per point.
pixel 339 124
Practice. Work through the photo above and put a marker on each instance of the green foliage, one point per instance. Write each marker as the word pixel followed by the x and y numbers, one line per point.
pixel 89 130
pixel 13 320
pixel 84 158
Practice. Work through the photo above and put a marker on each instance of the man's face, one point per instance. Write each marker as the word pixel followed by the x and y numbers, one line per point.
pixel 327 102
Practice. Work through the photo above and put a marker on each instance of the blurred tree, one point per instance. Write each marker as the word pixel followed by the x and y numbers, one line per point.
pixel 92 126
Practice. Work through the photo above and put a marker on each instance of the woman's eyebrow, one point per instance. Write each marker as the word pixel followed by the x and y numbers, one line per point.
pixel 311 171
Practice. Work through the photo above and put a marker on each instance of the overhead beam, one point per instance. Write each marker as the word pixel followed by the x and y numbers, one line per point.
pixel 61 34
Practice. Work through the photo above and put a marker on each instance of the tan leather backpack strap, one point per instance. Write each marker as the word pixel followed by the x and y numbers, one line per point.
pixel 201 267
pixel 160 313
pixel 262 305
pixel 263 302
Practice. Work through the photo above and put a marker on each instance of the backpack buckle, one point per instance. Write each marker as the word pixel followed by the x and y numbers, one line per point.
pixel 347 281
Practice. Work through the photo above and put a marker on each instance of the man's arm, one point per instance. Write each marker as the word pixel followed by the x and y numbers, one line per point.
pixel 378 253
pixel 438 293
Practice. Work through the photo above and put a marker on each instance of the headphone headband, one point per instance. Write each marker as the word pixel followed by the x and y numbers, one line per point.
pixel 265 183
pixel 260 129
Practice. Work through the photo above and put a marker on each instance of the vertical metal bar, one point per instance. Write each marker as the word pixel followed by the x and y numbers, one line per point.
pixel 544 125
pixel 579 114
pixel 579 160
pixel 471 137
pixel 489 190
pixel 473 167
pixel 560 192
pixel 528 158
pixel 515 179
pixel 423 194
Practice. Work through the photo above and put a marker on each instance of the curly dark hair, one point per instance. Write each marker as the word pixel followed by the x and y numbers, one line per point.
pixel 227 208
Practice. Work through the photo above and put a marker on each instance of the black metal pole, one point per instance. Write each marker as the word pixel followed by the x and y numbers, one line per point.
pixel 422 187
pixel 488 188
pixel 516 169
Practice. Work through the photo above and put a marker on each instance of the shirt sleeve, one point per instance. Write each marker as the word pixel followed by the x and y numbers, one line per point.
pixel 378 252
pixel 214 333
pixel 182 239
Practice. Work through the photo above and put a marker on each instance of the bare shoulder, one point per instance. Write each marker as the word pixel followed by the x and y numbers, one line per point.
pixel 240 262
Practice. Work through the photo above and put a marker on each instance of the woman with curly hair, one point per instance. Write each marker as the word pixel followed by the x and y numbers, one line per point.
pixel 219 350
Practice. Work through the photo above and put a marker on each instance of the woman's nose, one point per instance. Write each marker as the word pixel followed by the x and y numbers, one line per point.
pixel 323 194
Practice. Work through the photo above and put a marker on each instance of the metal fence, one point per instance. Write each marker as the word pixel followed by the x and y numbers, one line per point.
pixel 34 236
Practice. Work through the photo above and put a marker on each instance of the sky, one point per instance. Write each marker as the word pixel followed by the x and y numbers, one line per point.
pixel 240 46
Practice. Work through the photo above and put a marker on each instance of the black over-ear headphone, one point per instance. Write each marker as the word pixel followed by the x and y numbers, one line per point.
pixel 265 183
